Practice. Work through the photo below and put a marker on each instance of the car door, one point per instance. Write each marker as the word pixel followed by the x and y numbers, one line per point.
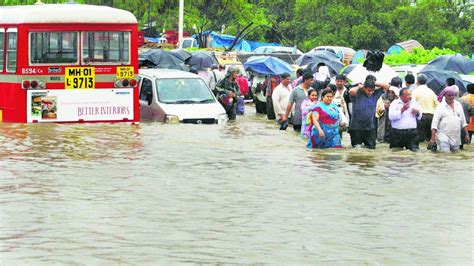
pixel 146 98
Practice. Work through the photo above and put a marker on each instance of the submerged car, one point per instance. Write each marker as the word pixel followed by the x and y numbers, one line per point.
pixel 173 96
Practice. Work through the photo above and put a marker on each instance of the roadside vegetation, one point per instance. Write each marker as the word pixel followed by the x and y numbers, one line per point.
pixel 361 24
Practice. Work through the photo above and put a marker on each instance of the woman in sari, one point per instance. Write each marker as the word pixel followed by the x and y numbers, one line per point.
pixel 325 123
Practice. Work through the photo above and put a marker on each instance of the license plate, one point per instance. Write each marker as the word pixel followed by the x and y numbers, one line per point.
pixel 125 72
pixel 79 78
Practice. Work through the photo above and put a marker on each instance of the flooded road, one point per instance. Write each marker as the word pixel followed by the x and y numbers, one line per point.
pixel 244 192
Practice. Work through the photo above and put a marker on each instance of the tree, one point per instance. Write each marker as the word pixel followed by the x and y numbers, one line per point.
pixel 236 15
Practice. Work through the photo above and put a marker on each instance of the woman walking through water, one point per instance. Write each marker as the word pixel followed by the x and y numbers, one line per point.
pixel 325 120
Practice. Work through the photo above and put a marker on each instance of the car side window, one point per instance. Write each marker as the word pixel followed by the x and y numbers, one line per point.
pixel 146 89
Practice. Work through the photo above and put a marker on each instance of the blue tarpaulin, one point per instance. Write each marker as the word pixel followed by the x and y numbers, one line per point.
pixel 224 41
pixel 155 40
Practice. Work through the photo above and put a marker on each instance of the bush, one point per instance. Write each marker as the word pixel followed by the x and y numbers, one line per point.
pixel 418 56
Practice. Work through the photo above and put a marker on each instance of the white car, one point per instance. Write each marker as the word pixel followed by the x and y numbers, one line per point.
pixel 172 96
pixel 344 53
pixel 277 49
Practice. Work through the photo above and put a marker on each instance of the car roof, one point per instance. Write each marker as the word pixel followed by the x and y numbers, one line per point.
pixel 342 48
pixel 166 73
pixel 276 47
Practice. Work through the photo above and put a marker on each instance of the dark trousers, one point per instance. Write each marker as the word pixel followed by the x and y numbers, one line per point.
pixel 404 138
pixel 424 127
pixel 297 128
pixel 230 108
pixel 270 111
pixel 366 137
pixel 260 107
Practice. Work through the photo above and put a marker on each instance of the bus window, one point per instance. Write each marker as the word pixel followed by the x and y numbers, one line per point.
pixel 2 48
pixel 53 47
pixel 106 47
pixel 11 50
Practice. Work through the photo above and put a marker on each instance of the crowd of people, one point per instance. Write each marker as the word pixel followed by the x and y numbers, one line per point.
pixel 402 114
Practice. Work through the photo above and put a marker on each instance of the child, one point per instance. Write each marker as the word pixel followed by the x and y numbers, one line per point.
pixel 305 114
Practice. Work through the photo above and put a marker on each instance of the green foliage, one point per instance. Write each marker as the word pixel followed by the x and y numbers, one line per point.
pixel 360 24
pixel 418 56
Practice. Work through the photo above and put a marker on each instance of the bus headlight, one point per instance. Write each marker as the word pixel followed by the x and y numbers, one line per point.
pixel 222 118
pixel 172 119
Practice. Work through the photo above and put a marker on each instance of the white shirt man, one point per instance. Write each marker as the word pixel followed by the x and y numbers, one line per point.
pixel 403 114
pixel 406 119
pixel 448 121
pixel 281 95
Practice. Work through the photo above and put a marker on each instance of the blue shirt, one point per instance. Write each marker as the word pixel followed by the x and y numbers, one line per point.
pixel 363 110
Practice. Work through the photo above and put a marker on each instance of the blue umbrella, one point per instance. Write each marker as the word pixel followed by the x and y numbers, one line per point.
pixel 437 79
pixel 268 65
pixel 458 63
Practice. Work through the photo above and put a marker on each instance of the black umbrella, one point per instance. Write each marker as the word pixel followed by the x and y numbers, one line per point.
pixel 202 60
pixel 316 57
pixel 437 79
pixel 161 59
pixel 181 54
pixel 458 63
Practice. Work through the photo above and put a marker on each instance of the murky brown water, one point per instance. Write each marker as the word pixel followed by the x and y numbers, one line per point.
pixel 240 193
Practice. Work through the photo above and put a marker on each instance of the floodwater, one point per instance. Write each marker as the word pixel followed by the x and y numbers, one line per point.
pixel 244 192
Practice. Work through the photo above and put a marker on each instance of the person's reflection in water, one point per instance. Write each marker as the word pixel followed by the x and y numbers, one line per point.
pixel 365 160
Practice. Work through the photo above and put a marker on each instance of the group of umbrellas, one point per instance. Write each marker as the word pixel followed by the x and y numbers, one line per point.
pixel 443 67
pixel 437 70
pixel 177 59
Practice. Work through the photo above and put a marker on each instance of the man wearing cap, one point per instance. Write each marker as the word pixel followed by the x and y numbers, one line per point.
pixel 428 102
pixel 448 121
pixel 228 92
pixel 404 114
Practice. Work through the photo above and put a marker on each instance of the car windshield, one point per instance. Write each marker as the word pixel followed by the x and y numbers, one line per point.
pixel 183 90
pixel 187 43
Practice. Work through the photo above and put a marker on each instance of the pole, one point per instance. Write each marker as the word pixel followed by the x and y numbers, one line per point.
pixel 180 26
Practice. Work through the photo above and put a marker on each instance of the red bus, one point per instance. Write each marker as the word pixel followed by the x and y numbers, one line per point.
pixel 68 63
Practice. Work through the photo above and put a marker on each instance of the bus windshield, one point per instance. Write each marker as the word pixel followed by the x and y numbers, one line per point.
pixel 106 47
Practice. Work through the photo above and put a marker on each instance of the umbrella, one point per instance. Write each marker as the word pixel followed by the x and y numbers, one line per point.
pixel 436 79
pixel 161 59
pixel 268 65
pixel 458 63
pixel 316 57
pixel 202 60
pixel 181 54
pixel 359 73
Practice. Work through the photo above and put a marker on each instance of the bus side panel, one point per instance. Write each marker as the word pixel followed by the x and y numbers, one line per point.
pixel 12 103
pixel 134 62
